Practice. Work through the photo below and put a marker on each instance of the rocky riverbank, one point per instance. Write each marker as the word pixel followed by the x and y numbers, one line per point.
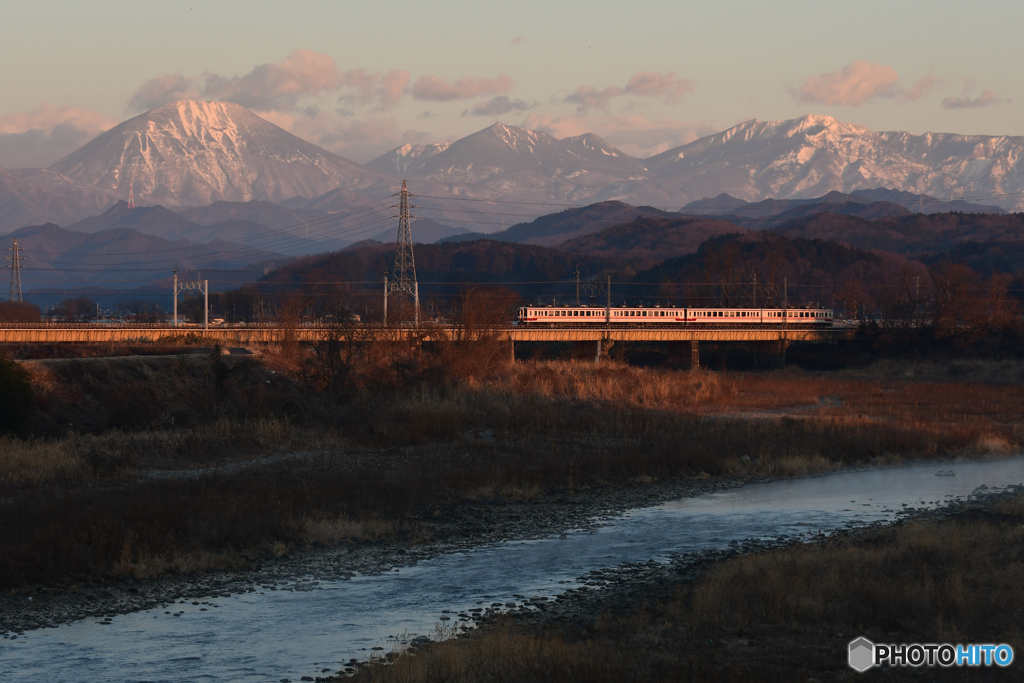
pixel 457 527
pixel 642 600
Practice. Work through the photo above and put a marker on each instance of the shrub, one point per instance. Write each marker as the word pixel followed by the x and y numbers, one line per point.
pixel 16 401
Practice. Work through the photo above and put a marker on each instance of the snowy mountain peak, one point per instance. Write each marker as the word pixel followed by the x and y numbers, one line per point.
pixel 527 161
pixel 191 153
pixel 407 159
pixel 594 143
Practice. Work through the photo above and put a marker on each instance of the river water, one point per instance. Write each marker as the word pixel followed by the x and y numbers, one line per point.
pixel 272 635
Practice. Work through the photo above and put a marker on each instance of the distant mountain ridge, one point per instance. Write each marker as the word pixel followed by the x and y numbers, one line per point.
pixel 753 161
pixel 196 153
pixel 63 257
pixel 166 224
pixel 909 202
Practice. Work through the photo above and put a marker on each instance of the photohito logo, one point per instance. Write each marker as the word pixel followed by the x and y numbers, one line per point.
pixel 863 654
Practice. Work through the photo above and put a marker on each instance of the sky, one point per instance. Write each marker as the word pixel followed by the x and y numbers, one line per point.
pixel 361 78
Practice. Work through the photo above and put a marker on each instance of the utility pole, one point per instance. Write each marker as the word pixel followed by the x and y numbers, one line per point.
pixel 15 258
pixel 608 306
pixel 755 289
pixel 405 265
pixel 175 297
pixel 577 284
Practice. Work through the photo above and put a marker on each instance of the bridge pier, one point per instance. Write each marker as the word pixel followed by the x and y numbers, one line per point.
pixel 771 355
pixel 684 354
pixel 597 349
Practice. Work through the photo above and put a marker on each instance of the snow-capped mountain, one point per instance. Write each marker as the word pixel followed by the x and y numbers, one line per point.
pixel 814 155
pixel 193 153
pixel 408 159
pixel 508 162
pixel 755 160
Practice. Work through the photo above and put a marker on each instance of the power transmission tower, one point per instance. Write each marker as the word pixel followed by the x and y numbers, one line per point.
pixel 404 272
pixel 131 194
pixel 15 258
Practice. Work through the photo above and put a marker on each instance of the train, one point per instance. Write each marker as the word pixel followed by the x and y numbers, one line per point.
pixel 577 316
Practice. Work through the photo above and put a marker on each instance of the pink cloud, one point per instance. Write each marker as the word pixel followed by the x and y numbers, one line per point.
pixel 162 89
pixel 985 99
pixel 653 84
pixel 921 87
pixel 853 85
pixel 499 105
pixel 518 40
pixel 643 84
pixel 360 139
pixel 42 136
pixel 435 89
pixel 279 85
pixel 559 127
pixel 590 97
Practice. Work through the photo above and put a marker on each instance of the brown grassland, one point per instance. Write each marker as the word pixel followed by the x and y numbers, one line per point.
pixel 781 615
pixel 146 466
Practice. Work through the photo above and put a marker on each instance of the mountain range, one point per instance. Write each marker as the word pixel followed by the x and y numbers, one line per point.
pixel 234 175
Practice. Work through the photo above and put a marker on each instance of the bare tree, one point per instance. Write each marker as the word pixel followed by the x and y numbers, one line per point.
pixel 77 310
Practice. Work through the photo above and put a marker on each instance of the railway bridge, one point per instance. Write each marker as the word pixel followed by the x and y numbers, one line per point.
pixel 592 341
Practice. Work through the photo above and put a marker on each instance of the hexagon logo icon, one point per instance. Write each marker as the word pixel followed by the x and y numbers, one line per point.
pixel 862 654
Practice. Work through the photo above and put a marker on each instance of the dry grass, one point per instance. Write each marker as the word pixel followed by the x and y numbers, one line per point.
pixel 1007 371
pixel 616 383
pixel 33 463
pixel 945 582
pixel 784 615
pixel 331 531
pixel 515 432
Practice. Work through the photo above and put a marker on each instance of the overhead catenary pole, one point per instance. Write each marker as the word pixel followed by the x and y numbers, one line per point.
pixel 608 305
pixel 577 284
pixel 206 304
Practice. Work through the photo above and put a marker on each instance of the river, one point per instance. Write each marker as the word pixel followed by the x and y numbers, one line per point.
pixel 309 627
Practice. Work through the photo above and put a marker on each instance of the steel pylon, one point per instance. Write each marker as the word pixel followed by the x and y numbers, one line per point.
pixel 404 272
pixel 15 258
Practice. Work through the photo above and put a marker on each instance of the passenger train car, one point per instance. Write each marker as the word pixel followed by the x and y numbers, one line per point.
pixel 638 315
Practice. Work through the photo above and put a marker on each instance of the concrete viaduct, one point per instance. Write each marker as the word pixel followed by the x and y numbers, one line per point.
pixel 590 341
